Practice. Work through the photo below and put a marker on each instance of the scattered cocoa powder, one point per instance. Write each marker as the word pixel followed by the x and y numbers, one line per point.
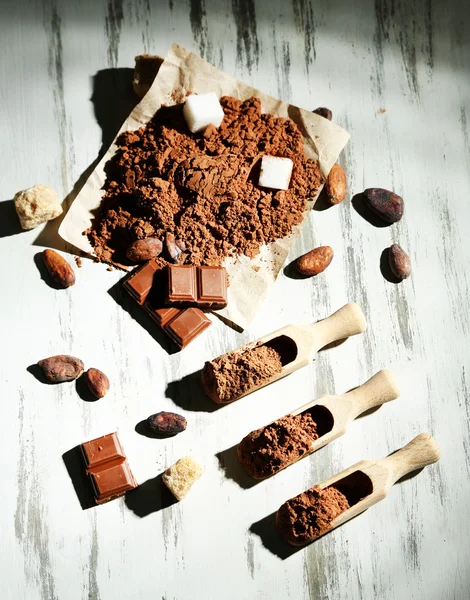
pixel 309 515
pixel 202 188
pixel 269 449
pixel 78 261
pixel 236 373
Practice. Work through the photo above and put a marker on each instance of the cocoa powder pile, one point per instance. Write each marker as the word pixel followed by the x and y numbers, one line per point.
pixel 232 375
pixel 269 449
pixel 309 515
pixel 202 187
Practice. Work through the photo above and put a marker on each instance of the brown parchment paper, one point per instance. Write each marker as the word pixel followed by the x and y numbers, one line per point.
pixel 250 279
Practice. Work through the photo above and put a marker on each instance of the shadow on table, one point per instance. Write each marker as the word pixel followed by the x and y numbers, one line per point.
pixel 359 203
pixel 127 303
pixel 322 203
pixel 73 461
pixel 228 462
pixel 9 222
pixel 38 374
pixel 385 267
pixel 113 100
pixel 152 496
pixel 265 529
pixel 188 393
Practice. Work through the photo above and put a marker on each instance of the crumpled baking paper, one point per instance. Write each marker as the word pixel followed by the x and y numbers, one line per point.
pixel 182 71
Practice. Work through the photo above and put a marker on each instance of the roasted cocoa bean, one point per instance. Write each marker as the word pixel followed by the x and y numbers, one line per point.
pixel 315 261
pixel 324 112
pixel 143 250
pixel 387 205
pixel 58 268
pixel 400 263
pixel 336 184
pixel 61 368
pixel 97 382
pixel 166 423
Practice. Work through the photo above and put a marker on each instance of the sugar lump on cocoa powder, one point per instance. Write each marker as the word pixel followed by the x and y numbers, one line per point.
pixel 201 110
pixel 275 172
pixel 36 205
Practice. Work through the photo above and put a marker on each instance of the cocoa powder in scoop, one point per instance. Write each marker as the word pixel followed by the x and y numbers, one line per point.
pixel 267 450
pixel 309 515
pixel 202 188
pixel 236 373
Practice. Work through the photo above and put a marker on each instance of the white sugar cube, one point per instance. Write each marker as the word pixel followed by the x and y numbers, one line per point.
pixel 201 110
pixel 275 172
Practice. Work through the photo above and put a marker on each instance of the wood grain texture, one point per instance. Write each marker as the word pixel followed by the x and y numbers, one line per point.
pixel 395 74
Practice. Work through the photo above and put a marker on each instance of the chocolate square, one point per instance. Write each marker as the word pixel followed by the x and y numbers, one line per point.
pixel 182 287
pixel 112 482
pixel 187 326
pixel 162 316
pixel 140 284
pixel 212 287
pixel 102 451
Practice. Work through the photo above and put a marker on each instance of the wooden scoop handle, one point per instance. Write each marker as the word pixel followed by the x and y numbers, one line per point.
pixel 348 320
pixel 420 452
pixel 380 388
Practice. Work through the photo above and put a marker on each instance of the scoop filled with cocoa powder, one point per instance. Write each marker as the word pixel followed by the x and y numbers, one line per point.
pixel 323 507
pixel 265 451
pixel 240 372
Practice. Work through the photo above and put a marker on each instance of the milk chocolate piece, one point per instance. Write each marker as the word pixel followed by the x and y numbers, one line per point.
pixel 112 482
pixel 187 326
pixel 212 287
pixel 107 466
pixel 140 284
pixel 202 287
pixel 161 316
pixel 102 451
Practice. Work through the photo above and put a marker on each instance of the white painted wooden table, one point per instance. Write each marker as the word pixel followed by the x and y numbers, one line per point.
pixel 395 74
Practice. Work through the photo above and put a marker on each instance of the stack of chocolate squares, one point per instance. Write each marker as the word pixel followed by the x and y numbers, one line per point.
pixel 175 296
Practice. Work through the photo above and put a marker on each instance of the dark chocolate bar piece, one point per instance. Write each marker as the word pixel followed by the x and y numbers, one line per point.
pixel 107 466
pixel 140 284
pixel 201 287
pixel 184 328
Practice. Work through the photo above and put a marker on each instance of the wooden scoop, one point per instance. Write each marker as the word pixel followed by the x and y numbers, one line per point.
pixel 332 414
pixel 296 345
pixel 367 482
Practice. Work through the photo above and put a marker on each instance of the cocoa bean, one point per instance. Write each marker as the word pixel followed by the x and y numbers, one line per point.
pixel 387 205
pixel 166 423
pixel 315 261
pixel 97 382
pixel 336 184
pixel 400 263
pixel 143 250
pixel 175 249
pixel 61 368
pixel 58 268
pixel 324 112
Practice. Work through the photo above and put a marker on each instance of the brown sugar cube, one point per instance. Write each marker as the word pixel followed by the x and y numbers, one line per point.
pixel 145 71
pixel 181 476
